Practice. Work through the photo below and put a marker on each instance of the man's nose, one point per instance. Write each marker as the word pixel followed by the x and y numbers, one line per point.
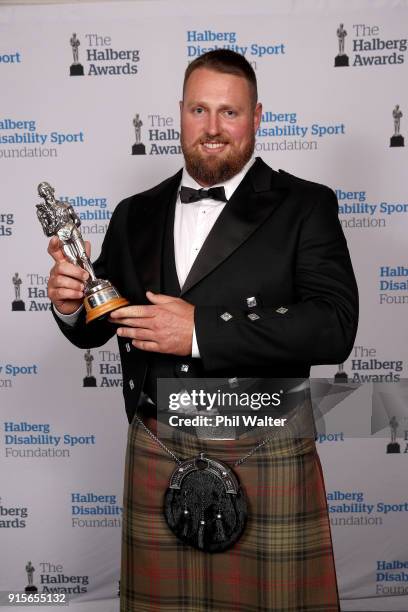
pixel 213 124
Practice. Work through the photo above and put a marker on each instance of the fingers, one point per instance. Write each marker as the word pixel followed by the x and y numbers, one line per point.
pixel 66 282
pixel 68 270
pixel 165 327
pixel 144 345
pixel 62 288
pixel 62 281
pixel 143 339
pixel 160 298
pixel 55 250
pixel 124 315
pixel 139 322
pixel 62 295
pixel 129 312
pixel 137 333
pixel 140 311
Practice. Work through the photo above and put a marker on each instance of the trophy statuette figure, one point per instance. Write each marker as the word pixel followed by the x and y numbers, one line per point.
pixel 60 219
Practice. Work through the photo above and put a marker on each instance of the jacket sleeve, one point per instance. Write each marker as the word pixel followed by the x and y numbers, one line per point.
pixel 318 326
pixel 98 332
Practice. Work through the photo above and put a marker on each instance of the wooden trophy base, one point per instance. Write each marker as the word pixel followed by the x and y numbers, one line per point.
pixel 95 312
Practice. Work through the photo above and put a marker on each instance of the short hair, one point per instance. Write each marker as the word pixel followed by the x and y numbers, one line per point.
pixel 226 62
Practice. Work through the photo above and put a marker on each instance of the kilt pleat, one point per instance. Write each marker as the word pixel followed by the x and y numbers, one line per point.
pixel 284 559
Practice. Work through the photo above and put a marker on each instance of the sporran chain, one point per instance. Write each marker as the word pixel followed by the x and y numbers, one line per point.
pixel 236 463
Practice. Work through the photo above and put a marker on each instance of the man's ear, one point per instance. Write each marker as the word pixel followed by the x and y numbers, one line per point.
pixel 257 115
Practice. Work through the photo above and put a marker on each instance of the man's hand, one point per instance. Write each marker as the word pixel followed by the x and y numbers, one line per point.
pixel 165 326
pixel 66 282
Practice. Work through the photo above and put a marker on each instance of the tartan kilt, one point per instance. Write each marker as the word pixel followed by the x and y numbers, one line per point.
pixel 283 562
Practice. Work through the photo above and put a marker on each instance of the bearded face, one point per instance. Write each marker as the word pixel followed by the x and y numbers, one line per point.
pixel 218 124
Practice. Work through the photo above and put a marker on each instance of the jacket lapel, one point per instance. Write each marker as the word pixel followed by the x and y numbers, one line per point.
pixel 257 196
pixel 147 222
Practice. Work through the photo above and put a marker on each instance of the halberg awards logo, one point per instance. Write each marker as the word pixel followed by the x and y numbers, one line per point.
pixel 341 376
pixel 17 303
pixel 393 446
pixel 341 58
pixel 100 58
pixel 54 580
pixel 89 380
pixel 138 148
pixel 30 569
pixel 389 412
pixel 397 140
pixel 369 47
pixel 76 69
pixel 36 291
pixel 107 365
pixel 162 137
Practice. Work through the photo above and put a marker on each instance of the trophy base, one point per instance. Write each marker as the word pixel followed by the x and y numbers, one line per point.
pixel 17 305
pixel 101 298
pixel 340 377
pixel 397 141
pixel 104 309
pixel 31 589
pixel 341 60
pixel 138 149
pixel 393 447
pixel 76 70
pixel 89 381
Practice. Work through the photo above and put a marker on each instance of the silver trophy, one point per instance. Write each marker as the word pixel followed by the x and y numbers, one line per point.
pixel 60 219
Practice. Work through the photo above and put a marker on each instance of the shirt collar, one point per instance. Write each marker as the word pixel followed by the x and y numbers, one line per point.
pixel 229 186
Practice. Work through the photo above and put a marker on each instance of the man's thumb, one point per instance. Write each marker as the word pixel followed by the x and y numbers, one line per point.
pixel 55 249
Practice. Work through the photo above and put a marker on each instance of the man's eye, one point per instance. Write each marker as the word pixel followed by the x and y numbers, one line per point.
pixel 198 111
pixel 230 113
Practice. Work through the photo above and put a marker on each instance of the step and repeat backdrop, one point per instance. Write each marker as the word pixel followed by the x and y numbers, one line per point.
pixel 89 103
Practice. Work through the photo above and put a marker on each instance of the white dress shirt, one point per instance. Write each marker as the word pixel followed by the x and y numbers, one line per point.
pixel 192 224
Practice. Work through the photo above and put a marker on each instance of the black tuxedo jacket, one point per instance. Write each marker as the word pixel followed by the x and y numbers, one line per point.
pixel 277 240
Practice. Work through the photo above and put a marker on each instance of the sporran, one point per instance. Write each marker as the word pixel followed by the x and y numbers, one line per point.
pixel 205 506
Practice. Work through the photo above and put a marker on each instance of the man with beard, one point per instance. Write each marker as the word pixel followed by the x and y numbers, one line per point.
pixel 236 271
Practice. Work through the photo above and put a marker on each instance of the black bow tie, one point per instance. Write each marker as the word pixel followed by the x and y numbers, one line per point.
pixel 189 195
